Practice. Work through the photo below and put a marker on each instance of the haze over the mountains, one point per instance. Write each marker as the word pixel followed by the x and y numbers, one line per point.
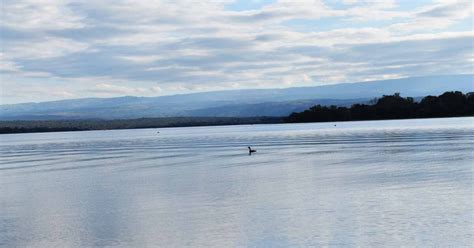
pixel 235 103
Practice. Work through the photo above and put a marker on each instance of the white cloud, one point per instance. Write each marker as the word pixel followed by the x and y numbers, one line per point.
pixel 156 89
pixel 42 48
pixel 437 16
pixel 349 2
pixel 116 89
pixel 40 15
pixel 8 66
pixel 141 59
pixel 146 47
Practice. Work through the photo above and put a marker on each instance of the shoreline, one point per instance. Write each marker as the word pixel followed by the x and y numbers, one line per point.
pixel 225 121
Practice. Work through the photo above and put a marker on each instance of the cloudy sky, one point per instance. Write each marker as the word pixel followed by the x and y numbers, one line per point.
pixel 61 49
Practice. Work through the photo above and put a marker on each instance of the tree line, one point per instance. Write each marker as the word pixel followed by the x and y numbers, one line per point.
pixel 32 126
pixel 449 104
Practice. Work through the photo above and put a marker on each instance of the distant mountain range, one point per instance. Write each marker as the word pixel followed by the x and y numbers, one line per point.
pixel 235 103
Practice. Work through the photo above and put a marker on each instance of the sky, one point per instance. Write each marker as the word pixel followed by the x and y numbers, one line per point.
pixel 62 49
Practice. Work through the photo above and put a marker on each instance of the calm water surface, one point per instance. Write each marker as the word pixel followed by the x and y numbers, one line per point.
pixel 371 184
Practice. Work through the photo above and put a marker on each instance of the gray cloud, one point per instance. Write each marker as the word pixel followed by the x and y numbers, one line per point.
pixel 130 48
pixel 448 10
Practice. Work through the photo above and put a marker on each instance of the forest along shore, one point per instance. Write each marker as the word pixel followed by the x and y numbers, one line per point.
pixel 35 126
pixel 449 104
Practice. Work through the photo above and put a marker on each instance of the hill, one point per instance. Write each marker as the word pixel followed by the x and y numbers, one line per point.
pixel 235 103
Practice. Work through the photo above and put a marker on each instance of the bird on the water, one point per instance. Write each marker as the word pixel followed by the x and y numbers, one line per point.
pixel 251 150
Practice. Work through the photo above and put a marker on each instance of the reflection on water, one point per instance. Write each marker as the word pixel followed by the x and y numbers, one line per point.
pixel 382 183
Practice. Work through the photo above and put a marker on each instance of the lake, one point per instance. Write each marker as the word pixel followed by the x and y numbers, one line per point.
pixel 369 184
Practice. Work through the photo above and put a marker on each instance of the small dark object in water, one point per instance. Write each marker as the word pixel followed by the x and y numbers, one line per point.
pixel 251 151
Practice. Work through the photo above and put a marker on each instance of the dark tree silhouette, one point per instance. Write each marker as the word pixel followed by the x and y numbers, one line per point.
pixel 394 106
